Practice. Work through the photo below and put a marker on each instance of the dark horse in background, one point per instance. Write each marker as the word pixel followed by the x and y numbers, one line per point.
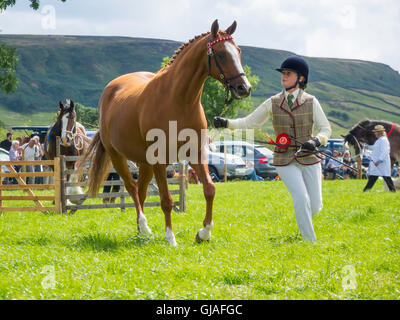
pixel 65 128
pixel 71 144
pixel 362 134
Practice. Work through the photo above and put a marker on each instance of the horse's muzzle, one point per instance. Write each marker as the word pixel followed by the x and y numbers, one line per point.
pixel 240 90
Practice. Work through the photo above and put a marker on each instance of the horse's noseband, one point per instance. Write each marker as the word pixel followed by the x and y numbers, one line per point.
pixel 227 84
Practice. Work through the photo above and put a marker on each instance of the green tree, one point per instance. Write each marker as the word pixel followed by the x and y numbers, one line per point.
pixel 213 97
pixel 8 58
pixel 8 63
pixel 88 116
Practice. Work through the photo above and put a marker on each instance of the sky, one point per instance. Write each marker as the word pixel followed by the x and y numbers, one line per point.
pixel 350 29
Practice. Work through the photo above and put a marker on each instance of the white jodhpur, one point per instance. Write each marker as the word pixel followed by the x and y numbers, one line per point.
pixel 205 233
pixel 304 185
pixel 143 227
pixel 170 237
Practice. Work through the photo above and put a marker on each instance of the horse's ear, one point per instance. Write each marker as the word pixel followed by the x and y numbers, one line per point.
pixel 232 28
pixel 71 105
pixel 215 28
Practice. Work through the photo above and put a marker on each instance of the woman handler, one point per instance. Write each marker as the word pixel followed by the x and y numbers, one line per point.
pixel 294 114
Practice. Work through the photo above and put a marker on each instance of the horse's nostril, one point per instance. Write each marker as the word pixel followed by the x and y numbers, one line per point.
pixel 241 89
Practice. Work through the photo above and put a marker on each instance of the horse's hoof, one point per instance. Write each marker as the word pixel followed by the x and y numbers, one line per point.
pixel 145 232
pixel 143 227
pixel 170 237
pixel 199 240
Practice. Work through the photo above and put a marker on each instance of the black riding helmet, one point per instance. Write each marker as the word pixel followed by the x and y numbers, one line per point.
pixel 298 65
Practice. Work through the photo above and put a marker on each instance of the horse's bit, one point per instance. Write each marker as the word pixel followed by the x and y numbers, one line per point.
pixel 226 81
pixel 75 137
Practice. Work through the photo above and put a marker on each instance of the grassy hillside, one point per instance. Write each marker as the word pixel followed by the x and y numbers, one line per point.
pixel 57 67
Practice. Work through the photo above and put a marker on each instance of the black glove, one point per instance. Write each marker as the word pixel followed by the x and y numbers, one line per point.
pixel 220 122
pixel 311 145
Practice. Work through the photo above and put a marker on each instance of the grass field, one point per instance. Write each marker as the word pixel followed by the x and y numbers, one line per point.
pixel 255 251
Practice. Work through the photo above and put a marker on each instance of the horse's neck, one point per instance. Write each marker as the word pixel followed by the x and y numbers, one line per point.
pixel 186 76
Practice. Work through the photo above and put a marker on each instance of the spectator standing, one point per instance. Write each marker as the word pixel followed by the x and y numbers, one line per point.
pixel 30 153
pixel 15 155
pixel 379 166
pixel 38 168
pixel 6 144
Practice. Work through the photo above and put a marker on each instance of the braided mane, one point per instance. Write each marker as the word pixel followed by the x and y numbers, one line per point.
pixel 184 46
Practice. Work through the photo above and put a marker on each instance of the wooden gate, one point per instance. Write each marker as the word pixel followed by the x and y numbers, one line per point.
pixel 28 188
pixel 67 197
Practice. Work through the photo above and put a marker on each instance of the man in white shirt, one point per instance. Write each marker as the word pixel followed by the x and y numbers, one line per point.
pixel 379 165
pixel 30 153
pixel 294 114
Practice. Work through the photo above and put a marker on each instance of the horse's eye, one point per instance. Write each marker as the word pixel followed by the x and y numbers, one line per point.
pixel 221 55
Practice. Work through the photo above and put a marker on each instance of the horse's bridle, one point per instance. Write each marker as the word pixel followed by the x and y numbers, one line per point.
pixel 75 137
pixel 360 153
pixel 227 84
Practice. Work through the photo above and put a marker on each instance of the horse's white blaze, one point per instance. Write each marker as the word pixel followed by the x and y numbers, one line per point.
pixel 205 233
pixel 234 53
pixel 64 123
pixel 143 227
pixel 170 237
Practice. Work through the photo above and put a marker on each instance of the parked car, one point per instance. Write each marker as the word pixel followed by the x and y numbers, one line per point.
pixel 333 144
pixel 261 156
pixel 236 167
pixel 4 157
pixel 90 133
pixel 37 130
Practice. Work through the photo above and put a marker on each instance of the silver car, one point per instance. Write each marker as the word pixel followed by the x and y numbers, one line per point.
pixel 236 167
pixel 260 157
pixel 4 157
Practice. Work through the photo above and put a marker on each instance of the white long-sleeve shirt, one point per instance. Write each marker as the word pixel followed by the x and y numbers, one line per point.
pixel 381 153
pixel 263 112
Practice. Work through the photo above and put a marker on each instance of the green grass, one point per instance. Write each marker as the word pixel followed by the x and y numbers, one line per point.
pixel 255 251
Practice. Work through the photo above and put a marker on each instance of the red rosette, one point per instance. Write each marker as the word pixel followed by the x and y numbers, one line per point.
pixel 283 140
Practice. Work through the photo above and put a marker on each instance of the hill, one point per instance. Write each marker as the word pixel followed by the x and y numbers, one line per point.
pixel 53 68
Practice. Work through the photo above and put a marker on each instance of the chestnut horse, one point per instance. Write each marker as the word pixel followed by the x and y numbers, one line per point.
pixel 362 133
pixel 134 104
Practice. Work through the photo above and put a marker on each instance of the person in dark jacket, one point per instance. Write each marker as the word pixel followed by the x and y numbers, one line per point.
pixel 6 144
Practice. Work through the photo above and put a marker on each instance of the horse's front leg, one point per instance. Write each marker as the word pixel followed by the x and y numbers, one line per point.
pixel 167 203
pixel 201 169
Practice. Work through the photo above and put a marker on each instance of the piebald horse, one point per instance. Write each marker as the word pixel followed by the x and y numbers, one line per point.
pixel 362 133
pixel 134 104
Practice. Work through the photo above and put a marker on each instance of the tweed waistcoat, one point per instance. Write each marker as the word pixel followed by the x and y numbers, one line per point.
pixel 297 122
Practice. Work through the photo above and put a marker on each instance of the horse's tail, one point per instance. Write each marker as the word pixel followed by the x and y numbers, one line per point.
pixel 99 164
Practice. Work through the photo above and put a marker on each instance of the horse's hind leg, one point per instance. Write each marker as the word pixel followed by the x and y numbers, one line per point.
pixel 145 176
pixel 204 233
pixel 160 172
pixel 121 166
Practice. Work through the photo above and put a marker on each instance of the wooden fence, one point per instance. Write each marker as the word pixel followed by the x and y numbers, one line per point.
pixel 73 202
pixel 28 188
